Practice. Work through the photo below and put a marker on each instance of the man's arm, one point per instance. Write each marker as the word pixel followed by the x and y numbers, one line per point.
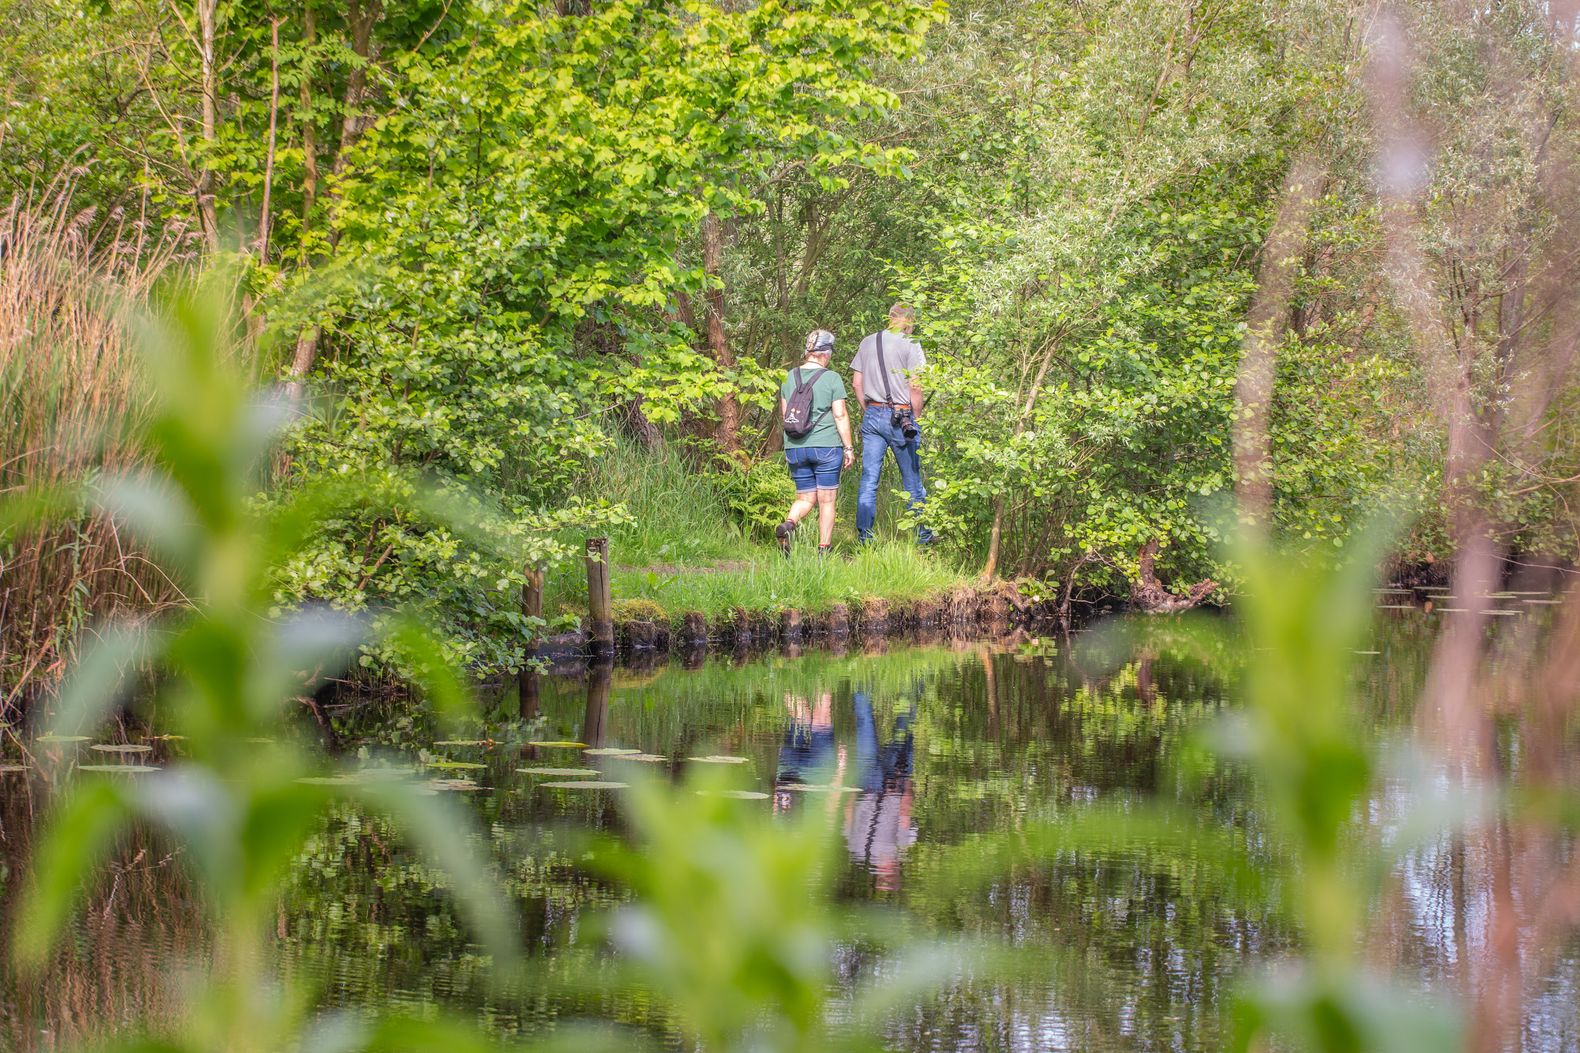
pixel 856 385
pixel 918 363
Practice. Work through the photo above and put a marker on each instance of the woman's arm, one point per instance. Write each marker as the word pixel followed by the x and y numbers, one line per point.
pixel 842 423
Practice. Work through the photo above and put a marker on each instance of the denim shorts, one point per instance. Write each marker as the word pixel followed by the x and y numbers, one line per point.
pixel 815 467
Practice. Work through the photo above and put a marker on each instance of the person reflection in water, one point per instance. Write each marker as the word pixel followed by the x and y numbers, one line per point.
pixel 878 826
pixel 809 754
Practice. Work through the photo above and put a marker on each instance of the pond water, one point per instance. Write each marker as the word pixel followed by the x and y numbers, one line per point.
pixel 939 745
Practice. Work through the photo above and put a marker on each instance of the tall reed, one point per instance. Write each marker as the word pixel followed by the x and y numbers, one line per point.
pixel 70 405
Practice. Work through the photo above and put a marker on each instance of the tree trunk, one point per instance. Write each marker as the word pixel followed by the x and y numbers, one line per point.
pixel 728 432
pixel 264 213
pixel 996 535
pixel 1281 254
pixel 361 20
pixel 1148 594
pixel 207 17
pixel 309 130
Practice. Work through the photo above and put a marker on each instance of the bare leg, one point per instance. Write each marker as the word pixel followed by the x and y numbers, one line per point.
pixel 803 504
pixel 825 517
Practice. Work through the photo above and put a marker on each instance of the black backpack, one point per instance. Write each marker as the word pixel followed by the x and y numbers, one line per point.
pixel 799 420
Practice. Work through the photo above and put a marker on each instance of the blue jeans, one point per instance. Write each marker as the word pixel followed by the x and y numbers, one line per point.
pixel 879 435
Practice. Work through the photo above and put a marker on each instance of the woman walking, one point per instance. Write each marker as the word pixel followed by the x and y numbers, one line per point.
pixel 817 439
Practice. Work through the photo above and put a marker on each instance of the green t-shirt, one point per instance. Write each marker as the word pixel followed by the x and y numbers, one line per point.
pixel 827 389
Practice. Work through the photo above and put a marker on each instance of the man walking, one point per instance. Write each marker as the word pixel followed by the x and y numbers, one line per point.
pixel 885 376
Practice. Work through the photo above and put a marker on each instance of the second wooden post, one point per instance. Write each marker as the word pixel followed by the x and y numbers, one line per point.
pixel 600 608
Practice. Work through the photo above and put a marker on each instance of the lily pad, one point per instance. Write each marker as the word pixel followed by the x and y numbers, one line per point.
pixel 611 751
pixel 1540 601
pixel 118 768
pixel 814 787
pixel 330 780
pixel 1396 607
pixel 465 742
pixel 739 795
pixel 1368 652
pixel 456 765
pixel 561 772
pixel 1502 613
pixel 117 747
pixel 453 785
pixel 718 759
pixel 645 758
pixel 585 785
pixel 564 744
pixel 12 769
pixel 62 738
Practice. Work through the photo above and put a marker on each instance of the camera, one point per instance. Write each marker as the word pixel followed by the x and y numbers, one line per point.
pixel 906 422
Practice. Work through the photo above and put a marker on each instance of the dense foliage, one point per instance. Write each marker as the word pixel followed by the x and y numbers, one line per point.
pixel 494 240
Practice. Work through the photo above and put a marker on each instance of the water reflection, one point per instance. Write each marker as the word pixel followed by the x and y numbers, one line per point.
pixel 878 825
pixel 876 768
pixel 934 748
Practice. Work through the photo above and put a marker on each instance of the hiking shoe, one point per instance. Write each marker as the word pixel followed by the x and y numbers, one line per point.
pixel 825 551
pixel 783 532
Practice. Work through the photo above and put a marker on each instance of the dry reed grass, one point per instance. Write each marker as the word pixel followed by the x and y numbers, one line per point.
pixel 70 282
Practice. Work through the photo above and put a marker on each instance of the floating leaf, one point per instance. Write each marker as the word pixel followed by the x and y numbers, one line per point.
pixel 611 751
pixel 117 747
pixel 812 787
pixel 62 738
pixel 12 769
pixel 563 772
pixel 453 785
pixel 562 745
pixel 645 758
pixel 585 785
pixel 465 742
pixel 128 768
pixel 739 795
pixel 456 765
pixel 1501 614
pixel 718 759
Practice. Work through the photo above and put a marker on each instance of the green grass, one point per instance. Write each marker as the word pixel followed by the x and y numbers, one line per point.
pixel 886 570
pixel 684 551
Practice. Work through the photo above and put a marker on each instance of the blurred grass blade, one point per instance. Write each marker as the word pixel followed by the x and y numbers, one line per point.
pixel 424 660
pixel 446 835
pixel 96 683
pixel 80 831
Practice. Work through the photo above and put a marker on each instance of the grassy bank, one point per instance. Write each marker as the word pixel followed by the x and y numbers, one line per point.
pixel 688 548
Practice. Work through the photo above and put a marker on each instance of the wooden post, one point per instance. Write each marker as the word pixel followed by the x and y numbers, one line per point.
pixel 600 608
pixel 531 607
pixel 600 677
